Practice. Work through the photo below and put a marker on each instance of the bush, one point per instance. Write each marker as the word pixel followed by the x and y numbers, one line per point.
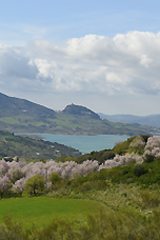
pixel 139 170
pixel 35 185
pixel 149 158
pixel 55 180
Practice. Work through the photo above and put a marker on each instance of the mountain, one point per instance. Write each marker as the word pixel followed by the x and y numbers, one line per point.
pixel 22 116
pixel 31 148
pixel 76 119
pixel 150 120
pixel 11 106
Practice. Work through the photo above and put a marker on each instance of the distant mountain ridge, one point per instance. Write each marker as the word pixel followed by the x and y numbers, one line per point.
pixel 15 106
pixel 23 116
pixel 150 120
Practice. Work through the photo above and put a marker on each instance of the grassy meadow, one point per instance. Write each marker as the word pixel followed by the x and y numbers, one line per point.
pixel 40 211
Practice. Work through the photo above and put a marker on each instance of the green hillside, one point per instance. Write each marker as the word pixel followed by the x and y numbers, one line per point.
pixel 32 149
pixel 18 115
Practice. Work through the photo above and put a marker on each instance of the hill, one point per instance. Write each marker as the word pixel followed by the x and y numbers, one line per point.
pixel 150 120
pixel 32 149
pixel 76 119
pixel 20 116
pixel 78 110
pixel 11 106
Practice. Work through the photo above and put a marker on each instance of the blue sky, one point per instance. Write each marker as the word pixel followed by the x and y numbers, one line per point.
pixel 59 20
pixel 102 54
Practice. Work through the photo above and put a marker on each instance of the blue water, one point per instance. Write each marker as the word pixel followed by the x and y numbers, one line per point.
pixel 83 143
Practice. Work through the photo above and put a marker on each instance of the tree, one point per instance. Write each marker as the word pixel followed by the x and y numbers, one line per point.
pixel 35 185
pixel 5 186
pixel 55 180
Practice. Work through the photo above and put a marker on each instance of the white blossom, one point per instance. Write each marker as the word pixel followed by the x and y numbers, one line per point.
pixel 152 147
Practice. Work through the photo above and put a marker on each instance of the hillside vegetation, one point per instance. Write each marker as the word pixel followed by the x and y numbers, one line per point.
pixel 123 183
pixel 26 148
pixel 134 156
pixel 134 146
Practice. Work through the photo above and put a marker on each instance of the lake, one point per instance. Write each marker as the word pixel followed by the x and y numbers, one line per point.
pixel 83 143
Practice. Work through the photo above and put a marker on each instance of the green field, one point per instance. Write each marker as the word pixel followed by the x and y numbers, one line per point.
pixel 41 210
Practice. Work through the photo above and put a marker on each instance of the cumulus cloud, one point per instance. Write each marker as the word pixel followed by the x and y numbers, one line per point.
pixel 124 63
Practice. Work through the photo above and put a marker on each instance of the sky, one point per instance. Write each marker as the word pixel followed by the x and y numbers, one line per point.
pixel 101 54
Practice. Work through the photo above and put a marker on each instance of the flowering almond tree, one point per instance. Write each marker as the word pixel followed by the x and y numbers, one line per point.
pixel 35 177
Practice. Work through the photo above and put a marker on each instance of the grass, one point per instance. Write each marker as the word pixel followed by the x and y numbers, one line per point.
pixel 40 211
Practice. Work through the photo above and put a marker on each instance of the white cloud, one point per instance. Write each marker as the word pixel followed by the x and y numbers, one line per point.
pixel 125 63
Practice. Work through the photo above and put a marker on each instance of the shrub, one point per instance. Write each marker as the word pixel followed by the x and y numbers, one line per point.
pixel 35 185
pixel 139 170
pixel 149 157
pixel 55 180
